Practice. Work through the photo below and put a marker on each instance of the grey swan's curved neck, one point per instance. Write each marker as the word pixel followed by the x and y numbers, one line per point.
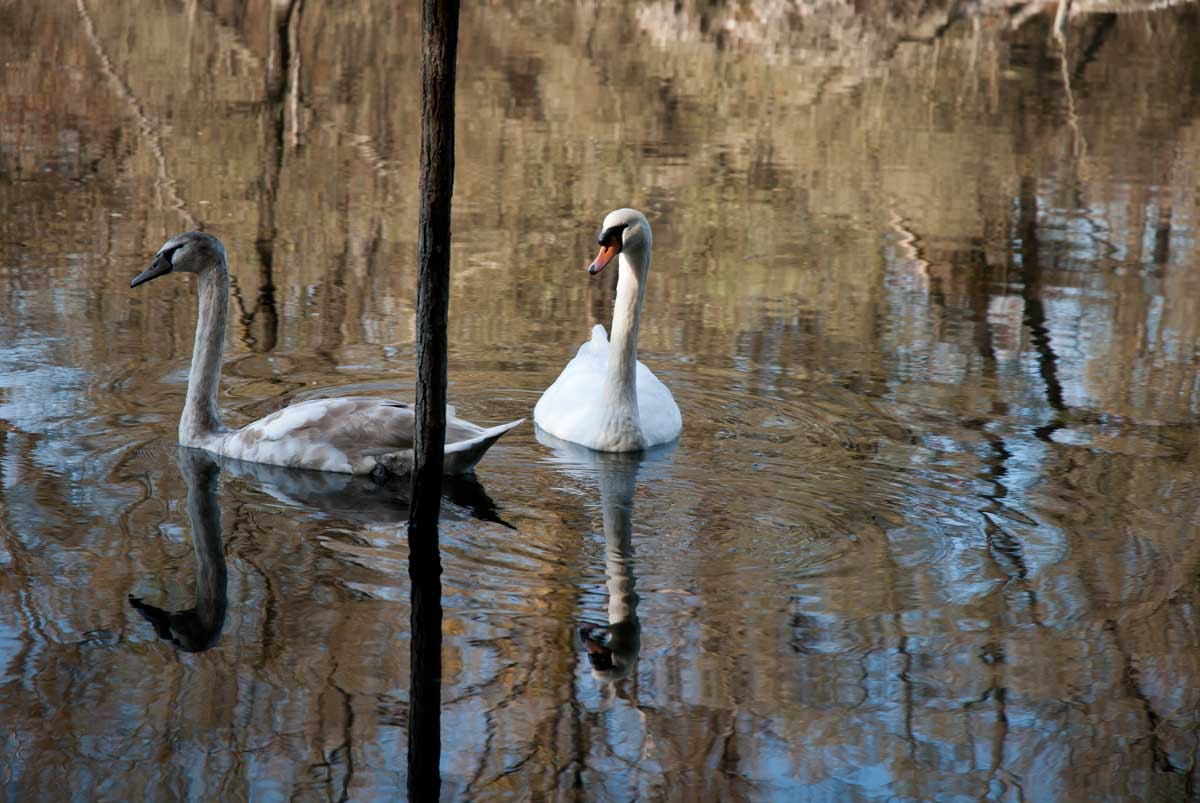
pixel 200 417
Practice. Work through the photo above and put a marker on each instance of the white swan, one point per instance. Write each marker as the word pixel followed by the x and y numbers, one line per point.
pixel 605 399
pixel 350 434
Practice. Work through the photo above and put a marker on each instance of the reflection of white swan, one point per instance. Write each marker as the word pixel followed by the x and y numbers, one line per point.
pixel 349 434
pixel 605 399
pixel 198 628
pixel 612 649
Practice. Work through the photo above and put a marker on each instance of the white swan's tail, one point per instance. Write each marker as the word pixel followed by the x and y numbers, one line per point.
pixel 461 457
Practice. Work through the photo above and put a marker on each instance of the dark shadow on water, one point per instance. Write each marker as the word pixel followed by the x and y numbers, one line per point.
pixel 363 499
pixel 612 648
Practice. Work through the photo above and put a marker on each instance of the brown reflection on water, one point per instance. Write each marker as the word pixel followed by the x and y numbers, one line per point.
pixel 925 289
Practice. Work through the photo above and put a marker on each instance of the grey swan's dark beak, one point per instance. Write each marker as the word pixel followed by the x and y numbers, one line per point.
pixel 193 630
pixel 159 267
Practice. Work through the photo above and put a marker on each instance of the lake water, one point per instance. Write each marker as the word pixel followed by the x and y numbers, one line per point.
pixel 926 288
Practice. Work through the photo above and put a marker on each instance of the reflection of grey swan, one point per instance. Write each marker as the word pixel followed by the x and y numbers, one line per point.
pixel 350 434
pixel 605 399
pixel 368 500
pixel 198 628
pixel 613 648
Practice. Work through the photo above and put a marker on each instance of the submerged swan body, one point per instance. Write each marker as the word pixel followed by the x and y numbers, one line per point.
pixel 605 399
pixel 349 434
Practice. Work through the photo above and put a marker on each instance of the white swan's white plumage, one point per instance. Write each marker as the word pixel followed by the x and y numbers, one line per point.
pixel 571 407
pixel 347 434
pixel 605 399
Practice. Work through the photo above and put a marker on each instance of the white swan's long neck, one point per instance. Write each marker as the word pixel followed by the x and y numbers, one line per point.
pixel 620 382
pixel 200 418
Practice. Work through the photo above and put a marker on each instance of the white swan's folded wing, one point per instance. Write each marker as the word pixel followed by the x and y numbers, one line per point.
pixel 659 414
pixel 567 409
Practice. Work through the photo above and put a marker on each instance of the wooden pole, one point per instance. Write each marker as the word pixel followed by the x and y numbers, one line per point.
pixel 439 44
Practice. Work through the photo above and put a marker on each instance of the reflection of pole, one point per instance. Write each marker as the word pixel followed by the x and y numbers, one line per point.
pixel 283 70
pixel 1035 311
pixel 283 65
pixel 439 41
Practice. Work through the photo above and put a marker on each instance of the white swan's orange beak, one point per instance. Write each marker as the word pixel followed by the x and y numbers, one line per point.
pixel 607 252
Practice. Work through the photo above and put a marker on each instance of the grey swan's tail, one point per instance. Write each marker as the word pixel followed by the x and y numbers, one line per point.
pixel 461 457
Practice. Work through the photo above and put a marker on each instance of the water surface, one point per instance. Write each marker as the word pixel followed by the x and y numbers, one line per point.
pixel 925 287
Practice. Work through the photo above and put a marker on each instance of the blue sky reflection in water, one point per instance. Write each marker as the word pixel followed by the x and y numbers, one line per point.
pixel 924 286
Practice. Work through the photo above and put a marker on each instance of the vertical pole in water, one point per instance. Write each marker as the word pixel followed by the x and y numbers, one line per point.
pixel 439 44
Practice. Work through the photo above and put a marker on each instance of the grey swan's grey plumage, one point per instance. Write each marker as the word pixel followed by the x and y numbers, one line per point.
pixel 349 434
pixel 605 399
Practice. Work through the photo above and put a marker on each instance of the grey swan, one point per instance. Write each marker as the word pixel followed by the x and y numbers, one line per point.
pixel 349 434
